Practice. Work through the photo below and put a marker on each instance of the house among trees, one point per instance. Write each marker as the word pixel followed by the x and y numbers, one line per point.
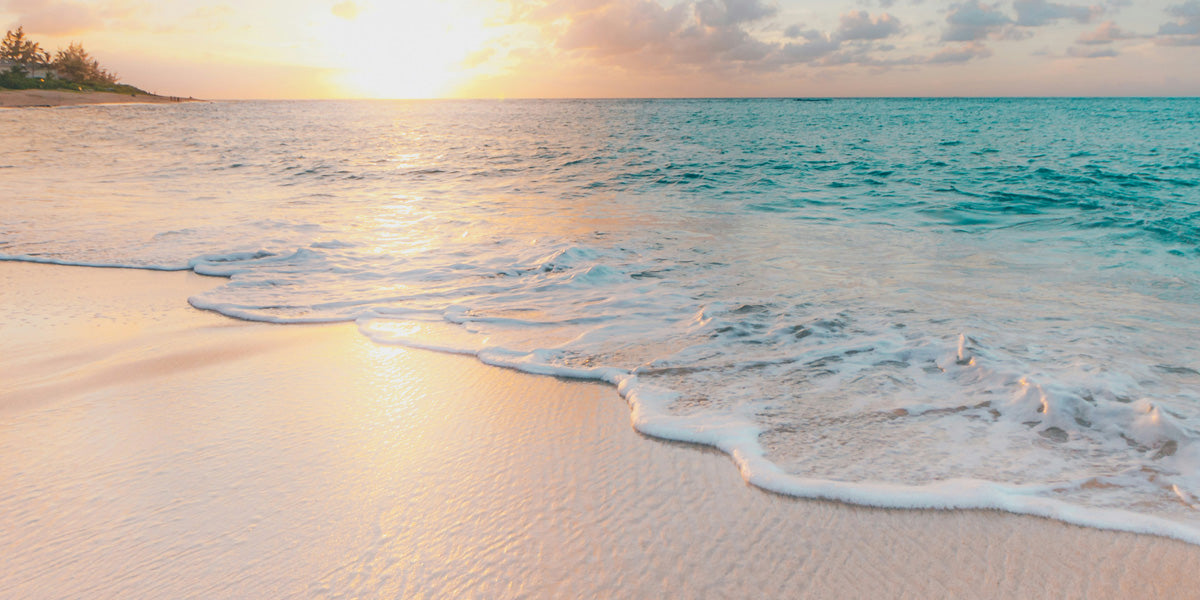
pixel 34 71
pixel 24 64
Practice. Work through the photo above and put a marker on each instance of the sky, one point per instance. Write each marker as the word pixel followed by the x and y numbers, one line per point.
pixel 629 48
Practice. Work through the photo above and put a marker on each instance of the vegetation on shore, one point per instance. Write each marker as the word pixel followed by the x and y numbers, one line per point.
pixel 29 67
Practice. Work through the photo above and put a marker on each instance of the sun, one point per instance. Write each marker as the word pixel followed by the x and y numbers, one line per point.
pixel 407 49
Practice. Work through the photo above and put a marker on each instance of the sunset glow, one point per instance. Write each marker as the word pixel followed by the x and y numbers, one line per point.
pixel 630 48
pixel 404 50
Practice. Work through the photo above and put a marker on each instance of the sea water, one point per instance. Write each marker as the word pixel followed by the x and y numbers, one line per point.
pixel 933 303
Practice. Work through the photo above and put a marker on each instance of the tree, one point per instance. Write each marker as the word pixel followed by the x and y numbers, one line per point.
pixel 17 49
pixel 75 64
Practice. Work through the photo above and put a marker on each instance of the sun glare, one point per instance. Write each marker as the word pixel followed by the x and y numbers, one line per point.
pixel 407 49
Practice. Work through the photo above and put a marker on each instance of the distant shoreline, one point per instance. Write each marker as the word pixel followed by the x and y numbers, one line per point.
pixel 52 98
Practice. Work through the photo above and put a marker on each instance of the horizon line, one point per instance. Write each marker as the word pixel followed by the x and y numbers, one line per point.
pixel 685 98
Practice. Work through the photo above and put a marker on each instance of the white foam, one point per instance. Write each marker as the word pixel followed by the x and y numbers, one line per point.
pixel 829 340
pixel 738 437
pixel 46 260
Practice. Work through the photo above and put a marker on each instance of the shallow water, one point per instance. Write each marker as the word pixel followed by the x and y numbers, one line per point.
pixel 927 303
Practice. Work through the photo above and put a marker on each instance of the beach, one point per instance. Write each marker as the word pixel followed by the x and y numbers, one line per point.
pixel 52 98
pixel 156 450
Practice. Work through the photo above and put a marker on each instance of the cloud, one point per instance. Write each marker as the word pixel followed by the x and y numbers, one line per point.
pixel 477 58
pixel 1179 41
pixel 1188 11
pixel 716 46
pixel 724 13
pixel 1079 52
pixel 858 25
pixel 946 56
pixel 1035 13
pixel 66 17
pixel 643 34
pixel 55 18
pixel 794 31
pixel 347 10
pixel 726 39
pixel 815 45
pixel 1106 33
pixel 1184 29
pixel 958 54
pixel 208 18
pixel 972 21
pixel 622 27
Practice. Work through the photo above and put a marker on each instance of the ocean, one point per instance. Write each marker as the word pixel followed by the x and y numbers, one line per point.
pixel 911 303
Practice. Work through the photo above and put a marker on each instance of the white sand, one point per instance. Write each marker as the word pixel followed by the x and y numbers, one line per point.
pixel 28 98
pixel 154 451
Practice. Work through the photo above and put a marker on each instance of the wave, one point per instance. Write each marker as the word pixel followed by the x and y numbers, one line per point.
pixel 664 393
pixel 915 304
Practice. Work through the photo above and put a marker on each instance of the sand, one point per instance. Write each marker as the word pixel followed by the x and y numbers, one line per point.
pixel 151 450
pixel 49 98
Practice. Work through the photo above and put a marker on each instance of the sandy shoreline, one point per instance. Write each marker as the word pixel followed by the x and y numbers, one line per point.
pixel 52 98
pixel 153 450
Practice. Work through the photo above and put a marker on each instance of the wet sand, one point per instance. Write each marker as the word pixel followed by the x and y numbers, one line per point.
pixel 51 98
pixel 152 450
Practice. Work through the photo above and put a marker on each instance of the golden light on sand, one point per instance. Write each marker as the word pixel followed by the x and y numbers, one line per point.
pixel 408 49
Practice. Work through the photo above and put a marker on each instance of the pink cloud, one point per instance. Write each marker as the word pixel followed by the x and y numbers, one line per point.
pixel 55 18
pixel 1106 33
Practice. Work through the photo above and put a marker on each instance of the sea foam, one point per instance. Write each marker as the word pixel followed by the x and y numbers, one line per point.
pixel 904 303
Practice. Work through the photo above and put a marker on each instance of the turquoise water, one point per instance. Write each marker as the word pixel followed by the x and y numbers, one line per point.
pixel 923 303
